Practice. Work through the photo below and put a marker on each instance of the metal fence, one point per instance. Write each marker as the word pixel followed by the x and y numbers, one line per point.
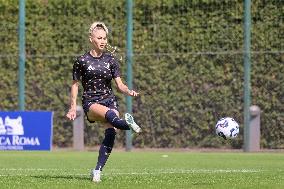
pixel 179 36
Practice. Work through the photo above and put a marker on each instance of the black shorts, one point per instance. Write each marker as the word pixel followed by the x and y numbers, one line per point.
pixel 110 102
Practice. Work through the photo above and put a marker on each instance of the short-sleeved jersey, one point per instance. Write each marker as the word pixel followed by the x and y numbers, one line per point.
pixel 96 74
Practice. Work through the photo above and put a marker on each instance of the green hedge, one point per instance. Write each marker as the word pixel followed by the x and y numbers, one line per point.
pixel 188 66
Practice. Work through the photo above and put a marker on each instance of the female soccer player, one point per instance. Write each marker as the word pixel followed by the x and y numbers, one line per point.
pixel 96 69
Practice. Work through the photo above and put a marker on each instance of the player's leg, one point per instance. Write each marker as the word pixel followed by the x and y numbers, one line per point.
pixel 98 112
pixel 104 152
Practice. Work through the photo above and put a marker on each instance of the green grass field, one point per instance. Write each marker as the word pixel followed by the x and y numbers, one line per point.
pixel 142 170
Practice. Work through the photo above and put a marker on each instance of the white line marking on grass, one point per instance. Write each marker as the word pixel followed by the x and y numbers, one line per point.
pixel 33 175
pixel 180 171
pixel 30 169
pixel 69 172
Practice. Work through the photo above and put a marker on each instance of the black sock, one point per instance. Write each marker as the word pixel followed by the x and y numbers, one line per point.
pixel 114 120
pixel 106 148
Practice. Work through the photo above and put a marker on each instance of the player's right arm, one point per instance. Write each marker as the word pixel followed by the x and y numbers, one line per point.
pixel 73 98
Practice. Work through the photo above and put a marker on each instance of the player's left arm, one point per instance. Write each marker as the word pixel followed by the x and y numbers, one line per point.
pixel 123 88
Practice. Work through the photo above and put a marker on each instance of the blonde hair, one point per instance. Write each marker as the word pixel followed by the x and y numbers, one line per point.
pixel 96 25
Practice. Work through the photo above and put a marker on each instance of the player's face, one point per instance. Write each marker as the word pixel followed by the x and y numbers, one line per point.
pixel 99 39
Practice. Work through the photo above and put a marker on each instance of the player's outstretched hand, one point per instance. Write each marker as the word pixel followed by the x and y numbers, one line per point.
pixel 71 114
pixel 132 93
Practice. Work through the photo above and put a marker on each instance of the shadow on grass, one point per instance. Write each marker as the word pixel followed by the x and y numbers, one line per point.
pixel 65 177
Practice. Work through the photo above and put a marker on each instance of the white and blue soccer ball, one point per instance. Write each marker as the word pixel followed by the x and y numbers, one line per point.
pixel 227 128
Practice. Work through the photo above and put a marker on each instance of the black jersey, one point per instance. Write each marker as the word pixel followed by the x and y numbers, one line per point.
pixel 96 74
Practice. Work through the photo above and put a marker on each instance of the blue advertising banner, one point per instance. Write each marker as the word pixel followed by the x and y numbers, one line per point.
pixel 26 130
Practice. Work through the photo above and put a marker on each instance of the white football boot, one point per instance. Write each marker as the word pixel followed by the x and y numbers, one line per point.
pixel 131 123
pixel 96 175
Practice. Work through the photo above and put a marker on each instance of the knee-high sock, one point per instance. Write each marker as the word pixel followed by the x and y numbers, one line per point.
pixel 106 148
pixel 115 121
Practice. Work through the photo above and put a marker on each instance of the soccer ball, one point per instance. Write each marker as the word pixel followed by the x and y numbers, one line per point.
pixel 227 128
